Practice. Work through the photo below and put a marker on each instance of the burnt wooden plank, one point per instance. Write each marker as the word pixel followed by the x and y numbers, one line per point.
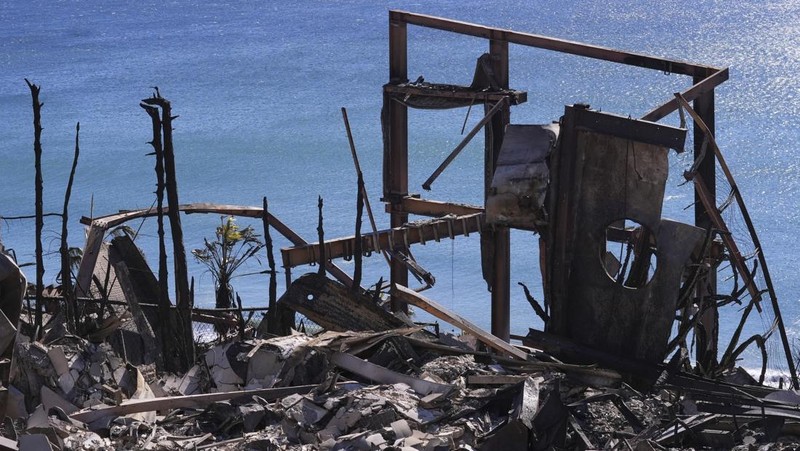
pixel 458 92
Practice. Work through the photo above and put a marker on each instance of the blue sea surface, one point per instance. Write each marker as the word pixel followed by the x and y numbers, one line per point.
pixel 258 88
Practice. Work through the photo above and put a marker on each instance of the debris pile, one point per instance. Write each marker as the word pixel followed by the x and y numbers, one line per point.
pixel 404 388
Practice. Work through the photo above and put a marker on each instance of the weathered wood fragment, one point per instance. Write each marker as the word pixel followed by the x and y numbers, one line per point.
pixel 184 402
pixel 385 376
pixel 439 311
pixel 151 345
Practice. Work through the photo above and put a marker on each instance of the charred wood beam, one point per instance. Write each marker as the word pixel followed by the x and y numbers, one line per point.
pixel 362 191
pixel 166 326
pixel 466 93
pixel 700 88
pixel 321 235
pixel 396 238
pixel 433 208
pixel 452 156
pixel 547 43
pixel 358 250
pixel 198 401
pixel 280 320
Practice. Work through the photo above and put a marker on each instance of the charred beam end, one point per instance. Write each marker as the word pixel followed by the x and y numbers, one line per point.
pixel 633 129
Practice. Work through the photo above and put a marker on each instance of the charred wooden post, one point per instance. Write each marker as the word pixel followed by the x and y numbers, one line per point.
pixel 395 123
pixel 321 236
pixel 66 272
pixel 496 245
pixel 707 339
pixel 280 319
pixel 273 283
pixel 37 152
pixel 239 314
pixel 357 250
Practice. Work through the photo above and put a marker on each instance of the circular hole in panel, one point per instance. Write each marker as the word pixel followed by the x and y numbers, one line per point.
pixel 628 254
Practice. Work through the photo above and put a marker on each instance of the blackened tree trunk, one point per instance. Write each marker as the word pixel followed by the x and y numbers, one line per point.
pixel 183 296
pixel 66 272
pixel 37 152
pixel 167 327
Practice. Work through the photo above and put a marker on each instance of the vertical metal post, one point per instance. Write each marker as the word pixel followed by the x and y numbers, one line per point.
pixel 396 162
pixel 707 343
pixel 501 236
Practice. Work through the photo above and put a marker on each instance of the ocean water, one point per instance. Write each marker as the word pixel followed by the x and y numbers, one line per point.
pixel 258 88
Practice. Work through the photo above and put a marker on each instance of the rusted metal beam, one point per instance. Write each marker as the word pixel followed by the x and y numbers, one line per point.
pixel 701 87
pixel 394 238
pixel 547 43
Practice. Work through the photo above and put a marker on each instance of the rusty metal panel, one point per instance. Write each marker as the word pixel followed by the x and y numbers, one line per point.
pixel 623 303
pixel 521 178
